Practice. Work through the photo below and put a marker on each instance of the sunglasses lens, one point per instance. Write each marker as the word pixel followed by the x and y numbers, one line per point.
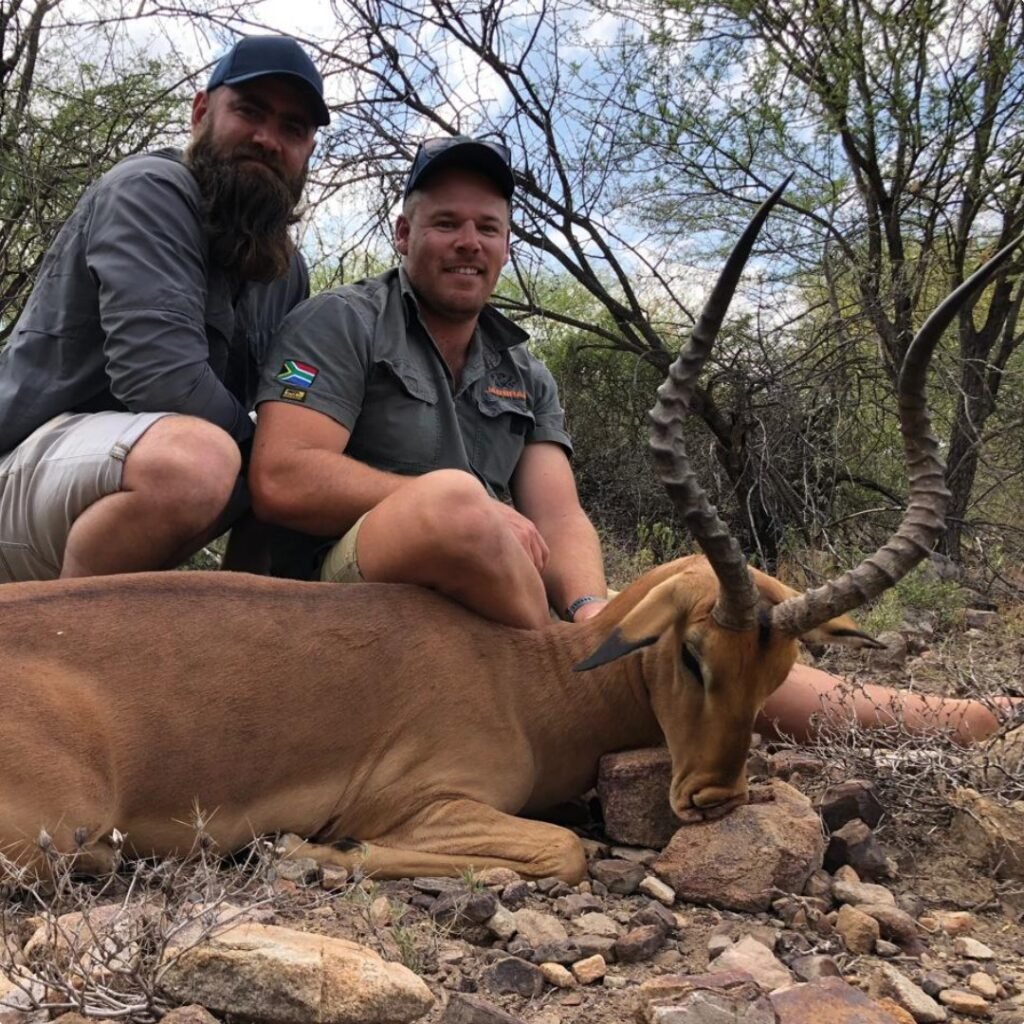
pixel 431 148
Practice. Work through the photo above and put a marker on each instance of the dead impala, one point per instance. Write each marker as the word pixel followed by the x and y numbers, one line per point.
pixel 390 715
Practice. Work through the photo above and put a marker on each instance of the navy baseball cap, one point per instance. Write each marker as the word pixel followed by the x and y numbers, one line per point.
pixel 486 156
pixel 257 56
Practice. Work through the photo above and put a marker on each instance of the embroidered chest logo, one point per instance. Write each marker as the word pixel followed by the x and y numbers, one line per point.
pixel 505 393
pixel 297 374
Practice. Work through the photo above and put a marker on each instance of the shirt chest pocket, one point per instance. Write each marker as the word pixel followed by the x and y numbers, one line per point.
pixel 398 427
pixel 502 426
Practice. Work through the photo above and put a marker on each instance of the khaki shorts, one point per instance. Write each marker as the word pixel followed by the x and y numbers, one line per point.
pixel 341 564
pixel 52 477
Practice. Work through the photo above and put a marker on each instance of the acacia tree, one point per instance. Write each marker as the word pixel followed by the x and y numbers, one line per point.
pixel 63 121
pixel 903 123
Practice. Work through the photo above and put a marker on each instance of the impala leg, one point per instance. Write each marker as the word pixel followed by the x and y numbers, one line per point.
pixel 451 837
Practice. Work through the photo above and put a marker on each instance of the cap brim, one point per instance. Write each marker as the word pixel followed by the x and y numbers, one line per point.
pixel 321 114
pixel 474 157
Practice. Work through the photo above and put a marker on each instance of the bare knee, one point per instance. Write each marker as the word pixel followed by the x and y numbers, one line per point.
pixel 457 521
pixel 185 467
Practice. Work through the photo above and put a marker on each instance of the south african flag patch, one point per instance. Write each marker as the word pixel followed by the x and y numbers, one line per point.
pixel 297 374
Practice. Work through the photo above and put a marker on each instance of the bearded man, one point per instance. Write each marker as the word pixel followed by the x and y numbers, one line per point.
pixel 126 385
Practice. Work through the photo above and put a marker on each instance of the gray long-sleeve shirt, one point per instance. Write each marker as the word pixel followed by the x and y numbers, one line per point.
pixel 128 314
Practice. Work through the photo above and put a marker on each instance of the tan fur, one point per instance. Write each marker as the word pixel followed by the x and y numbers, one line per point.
pixel 383 713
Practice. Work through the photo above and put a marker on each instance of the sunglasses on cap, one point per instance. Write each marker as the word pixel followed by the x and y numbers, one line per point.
pixel 488 157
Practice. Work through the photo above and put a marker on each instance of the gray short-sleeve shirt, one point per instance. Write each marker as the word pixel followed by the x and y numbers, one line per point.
pixel 361 355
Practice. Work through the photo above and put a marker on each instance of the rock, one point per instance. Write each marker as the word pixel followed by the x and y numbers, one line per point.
pixel 465 907
pixel 620 876
pixel 855 844
pixel 887 949
pixel 785 764
pixel 668 959
pixel 515 976
pixel 830 999
pixel 515 893
pixel 333 878
pixel 972 948
pixel 637 854
pixel 739 861
pixel 467 1009
pixel 980 618
pixel 558 975
pixel 193 1014
pixel 758 961
pixel 596 945
pixel 497 878
pixel 990 832
pixel 640 944
pixel 633 787
pixel 934 981
pixel 302 870
pixel 858 931
pixel 564 953
pixel 502 923
pixel 862 893
pixel 592 969
pixel 614 981
pixel 536 927
pixel 576 904
pixel 844 873
pixel 718 944
pixel 954 922
pixel 969 1004
pixel 819 885
pixel 268 973
pixel 597 924
pixel 849 801
pixel 983 985
pixel 658 890
pixel 654 913
pixel 815 967
pixel 898 1014
pixel 914 1000
pixel 896 926
pixel 718 998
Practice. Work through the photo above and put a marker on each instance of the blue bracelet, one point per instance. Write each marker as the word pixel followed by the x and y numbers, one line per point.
pixel 570 612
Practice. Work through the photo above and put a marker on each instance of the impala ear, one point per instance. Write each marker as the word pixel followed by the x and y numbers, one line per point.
pixel 644 624
pixel 841 632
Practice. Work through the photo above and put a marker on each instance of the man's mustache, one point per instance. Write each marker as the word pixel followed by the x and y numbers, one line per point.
pixel 261 156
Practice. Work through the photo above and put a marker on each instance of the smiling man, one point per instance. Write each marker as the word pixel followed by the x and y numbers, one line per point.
pixel 126 385
pixel 405 428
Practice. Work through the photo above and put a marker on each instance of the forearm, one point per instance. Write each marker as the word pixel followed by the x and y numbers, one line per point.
pixel 576 567
pixel 317 492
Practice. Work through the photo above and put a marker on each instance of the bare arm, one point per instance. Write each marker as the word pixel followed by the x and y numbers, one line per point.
pixel 545 492
pixel 300 478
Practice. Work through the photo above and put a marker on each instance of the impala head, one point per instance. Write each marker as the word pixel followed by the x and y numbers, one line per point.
pixel 722 636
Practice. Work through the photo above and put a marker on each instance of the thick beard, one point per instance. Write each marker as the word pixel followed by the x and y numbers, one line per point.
pixel 248 208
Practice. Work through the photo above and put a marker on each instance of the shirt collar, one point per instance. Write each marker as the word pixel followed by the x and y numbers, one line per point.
pixel 495 329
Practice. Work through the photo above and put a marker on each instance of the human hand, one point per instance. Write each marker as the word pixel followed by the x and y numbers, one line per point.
pixel 527 534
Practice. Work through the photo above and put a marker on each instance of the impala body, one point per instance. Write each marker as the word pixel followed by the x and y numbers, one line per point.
pixel 380 713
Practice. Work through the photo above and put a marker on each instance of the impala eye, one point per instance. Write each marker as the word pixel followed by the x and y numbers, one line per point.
pixel 692 664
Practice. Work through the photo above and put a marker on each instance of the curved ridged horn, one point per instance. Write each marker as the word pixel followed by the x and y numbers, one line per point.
pixel 737 597
pixel 925 517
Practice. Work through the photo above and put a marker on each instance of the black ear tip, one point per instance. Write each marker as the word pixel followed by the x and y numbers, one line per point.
pixel 613 647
